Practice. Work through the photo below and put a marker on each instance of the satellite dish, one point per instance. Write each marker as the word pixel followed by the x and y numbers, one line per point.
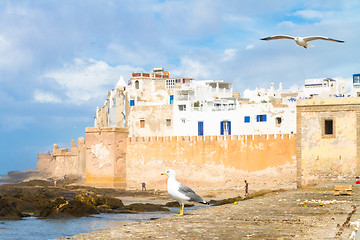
pixel 166 73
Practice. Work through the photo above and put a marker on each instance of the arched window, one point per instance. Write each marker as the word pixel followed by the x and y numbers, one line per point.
pixel 137 84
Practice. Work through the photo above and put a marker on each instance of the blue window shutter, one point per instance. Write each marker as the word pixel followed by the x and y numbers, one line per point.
pixel 264 118
pixel 201 128
pixel 229 124
pixel 221 128
pixel 247 119
pixel 257 118
pixel 132 102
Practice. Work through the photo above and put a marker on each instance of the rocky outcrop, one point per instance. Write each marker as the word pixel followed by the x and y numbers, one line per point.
pixel 146 207
pixel 8 210
pixel 61 208
pixel 176 204
pixel 105 202
pixel 41 199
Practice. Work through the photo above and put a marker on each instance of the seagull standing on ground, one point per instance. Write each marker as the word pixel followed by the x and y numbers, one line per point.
pixel 301 41
pixel 181 193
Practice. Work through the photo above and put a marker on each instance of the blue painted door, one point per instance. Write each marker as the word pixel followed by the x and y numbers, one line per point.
pixel 171 99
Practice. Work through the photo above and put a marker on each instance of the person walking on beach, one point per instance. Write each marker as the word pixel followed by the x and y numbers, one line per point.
pixel 246 188
pixel 143 187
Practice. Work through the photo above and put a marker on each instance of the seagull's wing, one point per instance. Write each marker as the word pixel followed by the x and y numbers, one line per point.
pixel 278 37
pixel 307 39
pixel 188 192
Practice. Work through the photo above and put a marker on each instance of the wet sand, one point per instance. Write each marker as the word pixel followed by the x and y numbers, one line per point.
pixel 308 213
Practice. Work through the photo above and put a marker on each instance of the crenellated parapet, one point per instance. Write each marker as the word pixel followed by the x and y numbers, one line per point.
pixel 212 138
pixel 62 161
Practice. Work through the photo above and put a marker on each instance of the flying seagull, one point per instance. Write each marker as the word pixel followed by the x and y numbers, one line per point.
pixel 301 41
pixel 180 192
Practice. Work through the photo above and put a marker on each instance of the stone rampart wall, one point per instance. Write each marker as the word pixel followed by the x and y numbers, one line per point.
pixel 61 161
pixel 109 158
pixel 43 162
pixel 212 161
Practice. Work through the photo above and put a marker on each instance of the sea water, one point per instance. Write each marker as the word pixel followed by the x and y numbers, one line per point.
pixel 32 228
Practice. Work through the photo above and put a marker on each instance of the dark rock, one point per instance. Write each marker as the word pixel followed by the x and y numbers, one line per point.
pixel 86 199
pixel 176 204
pixel 8 210
pixel 42 183
pixel 31 203
pixel 78 209
pixel 225 201
pixel 64 209
pixel 110 202
pixel 146 207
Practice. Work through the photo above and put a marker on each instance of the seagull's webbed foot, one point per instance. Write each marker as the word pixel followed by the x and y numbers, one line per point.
pixel 181 210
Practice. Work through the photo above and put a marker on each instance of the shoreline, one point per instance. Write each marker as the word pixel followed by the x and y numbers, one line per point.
pixel 306 213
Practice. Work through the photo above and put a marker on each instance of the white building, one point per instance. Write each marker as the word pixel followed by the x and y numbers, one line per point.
pixel 323 88
pixel 216 112
pixel 153 104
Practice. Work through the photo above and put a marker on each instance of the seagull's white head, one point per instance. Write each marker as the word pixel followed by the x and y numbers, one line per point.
pixel 170 173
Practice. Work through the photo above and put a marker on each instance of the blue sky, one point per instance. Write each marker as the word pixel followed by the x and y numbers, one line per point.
pixel 58 59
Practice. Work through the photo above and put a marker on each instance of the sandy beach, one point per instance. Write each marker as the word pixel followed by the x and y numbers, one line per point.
pixel 307 213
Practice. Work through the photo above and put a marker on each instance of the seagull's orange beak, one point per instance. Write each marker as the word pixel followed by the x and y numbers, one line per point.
pixel 163 173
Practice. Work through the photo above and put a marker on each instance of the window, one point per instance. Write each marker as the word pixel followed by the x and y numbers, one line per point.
pixel 225 128
pixel 182 107
pixel 132 102
pixel 142 123
pixel 356 78
pixel 170 83
pixel 168 122
pixel 261 118
pixel 183 120
pixel 137 84
pixel 278 121
pixel 247 119
pixel 328 128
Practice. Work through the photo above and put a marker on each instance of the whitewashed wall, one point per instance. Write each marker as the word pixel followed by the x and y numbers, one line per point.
pixel 212 120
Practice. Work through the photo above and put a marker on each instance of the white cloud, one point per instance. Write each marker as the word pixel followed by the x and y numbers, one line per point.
pixel 229 54
pixel 238 18
pixel 250 46
pixel 132 54
pixel 12 56
pixel 286 24
pixel 312 14
pixel 45 97
pixel 87 79
pixel 194 68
